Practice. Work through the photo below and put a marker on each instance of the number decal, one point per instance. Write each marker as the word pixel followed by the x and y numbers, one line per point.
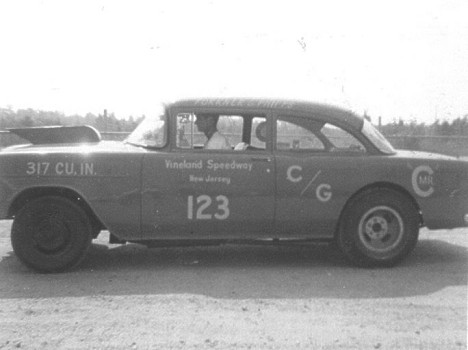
pixel 38 168
pixel 223 205
pixel 190 207
pixel 31 168
pixel 46 165
pixel 203 203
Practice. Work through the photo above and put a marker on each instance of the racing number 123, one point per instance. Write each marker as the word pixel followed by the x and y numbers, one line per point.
pixel 197 209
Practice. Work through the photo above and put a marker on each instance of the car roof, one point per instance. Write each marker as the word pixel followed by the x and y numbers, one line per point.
pixel 327 112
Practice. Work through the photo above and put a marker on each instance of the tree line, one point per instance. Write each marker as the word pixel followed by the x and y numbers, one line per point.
pixel 457 127
pixel 33 118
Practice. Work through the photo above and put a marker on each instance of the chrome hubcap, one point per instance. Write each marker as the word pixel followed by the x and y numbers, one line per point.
pixel 381 229
pixel 376 227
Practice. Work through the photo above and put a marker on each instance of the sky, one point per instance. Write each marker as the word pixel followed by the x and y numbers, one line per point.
pixel 389 59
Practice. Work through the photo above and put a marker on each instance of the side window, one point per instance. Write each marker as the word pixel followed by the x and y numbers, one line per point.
pixel 194 130
pixel 186 136
pixel 291 136
pixel 299 133
pixel 341 139
pixel 258 135
pixel 231 127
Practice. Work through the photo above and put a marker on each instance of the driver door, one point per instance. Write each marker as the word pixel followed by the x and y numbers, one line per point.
pixel 193 193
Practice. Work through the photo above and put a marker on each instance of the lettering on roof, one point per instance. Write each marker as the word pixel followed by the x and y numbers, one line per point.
pixel 221 102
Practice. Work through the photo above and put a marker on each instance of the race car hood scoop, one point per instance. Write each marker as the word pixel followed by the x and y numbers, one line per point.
pixel 58 134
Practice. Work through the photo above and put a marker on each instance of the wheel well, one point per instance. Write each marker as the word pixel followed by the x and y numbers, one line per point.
pixel 33 193
pixel 383 185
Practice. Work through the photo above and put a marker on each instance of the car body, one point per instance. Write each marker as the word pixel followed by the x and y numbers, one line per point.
pixel 297 171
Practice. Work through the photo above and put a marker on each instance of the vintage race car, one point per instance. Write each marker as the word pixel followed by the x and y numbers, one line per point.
pixel 292 172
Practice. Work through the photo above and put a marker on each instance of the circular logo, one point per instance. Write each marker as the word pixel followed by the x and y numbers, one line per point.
pixel 422 181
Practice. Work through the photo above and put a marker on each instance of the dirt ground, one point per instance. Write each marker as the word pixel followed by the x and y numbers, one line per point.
pixel 238 297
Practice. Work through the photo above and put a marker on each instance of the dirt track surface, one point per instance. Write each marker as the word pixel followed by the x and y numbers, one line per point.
pixel 238 297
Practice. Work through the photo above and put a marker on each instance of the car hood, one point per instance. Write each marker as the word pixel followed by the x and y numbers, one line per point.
pixel 58 134
pixel 97 147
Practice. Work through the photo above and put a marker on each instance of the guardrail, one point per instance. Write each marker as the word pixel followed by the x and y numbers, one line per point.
pixel 451 145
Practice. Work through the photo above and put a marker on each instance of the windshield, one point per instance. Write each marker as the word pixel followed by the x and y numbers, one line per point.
pixel 152 132
pixel 377 138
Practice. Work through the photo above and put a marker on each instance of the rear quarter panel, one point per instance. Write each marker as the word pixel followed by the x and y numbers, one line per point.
pixel 437 184
pixel 312 191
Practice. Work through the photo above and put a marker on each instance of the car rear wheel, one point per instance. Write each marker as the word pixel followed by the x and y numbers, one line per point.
pixel 379 227
pixel 51 234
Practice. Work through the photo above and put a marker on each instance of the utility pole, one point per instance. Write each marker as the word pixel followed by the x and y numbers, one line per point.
pixel 105 120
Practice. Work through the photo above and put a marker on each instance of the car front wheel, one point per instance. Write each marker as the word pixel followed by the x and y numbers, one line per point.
pixel 379 227
pixel 51 234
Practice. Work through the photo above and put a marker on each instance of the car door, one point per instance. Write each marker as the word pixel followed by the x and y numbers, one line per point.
pixel 191 192
pixel 317 170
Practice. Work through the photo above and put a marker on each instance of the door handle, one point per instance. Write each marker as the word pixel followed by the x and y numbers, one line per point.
pixel 261 159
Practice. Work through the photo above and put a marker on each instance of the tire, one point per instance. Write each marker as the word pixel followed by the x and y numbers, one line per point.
pixel 378 228
pixel 51 234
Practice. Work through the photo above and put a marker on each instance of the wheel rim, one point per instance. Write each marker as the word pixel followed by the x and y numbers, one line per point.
pixel 51 234
pixel 381 229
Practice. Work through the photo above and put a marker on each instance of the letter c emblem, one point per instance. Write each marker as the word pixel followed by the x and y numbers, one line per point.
pixel 289 173
pixel 415 180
